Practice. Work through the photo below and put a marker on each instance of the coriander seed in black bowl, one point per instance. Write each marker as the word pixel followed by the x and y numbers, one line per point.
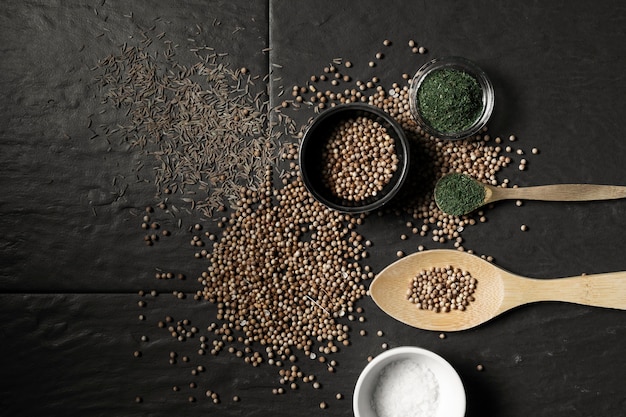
pixel 354 158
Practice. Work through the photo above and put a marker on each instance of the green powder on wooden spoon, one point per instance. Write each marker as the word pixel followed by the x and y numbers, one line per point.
pixel 459 194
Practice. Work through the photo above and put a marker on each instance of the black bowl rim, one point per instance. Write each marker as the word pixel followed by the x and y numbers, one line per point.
pixel 399 135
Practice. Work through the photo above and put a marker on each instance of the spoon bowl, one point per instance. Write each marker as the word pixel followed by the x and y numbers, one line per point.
pixel 497 290
pixel 456 187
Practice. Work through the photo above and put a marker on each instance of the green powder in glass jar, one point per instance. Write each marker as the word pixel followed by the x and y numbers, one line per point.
pixel 450 100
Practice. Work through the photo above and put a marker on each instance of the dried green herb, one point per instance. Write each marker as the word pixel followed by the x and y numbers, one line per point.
pixel 458 194
pixel 450 100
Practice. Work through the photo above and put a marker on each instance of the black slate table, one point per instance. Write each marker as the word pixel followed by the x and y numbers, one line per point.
pixel 74 262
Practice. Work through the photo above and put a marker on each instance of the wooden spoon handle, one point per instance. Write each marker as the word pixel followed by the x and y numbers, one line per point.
pixel 561 192
pixel 600 290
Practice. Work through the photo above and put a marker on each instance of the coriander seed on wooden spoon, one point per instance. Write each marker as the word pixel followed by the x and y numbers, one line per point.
pixel 497 291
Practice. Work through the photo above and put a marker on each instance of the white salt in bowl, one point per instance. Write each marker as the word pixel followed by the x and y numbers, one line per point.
pixel 409 378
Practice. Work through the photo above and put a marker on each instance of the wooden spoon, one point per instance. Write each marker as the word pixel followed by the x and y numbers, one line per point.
pixel 555 192
pixel 496 291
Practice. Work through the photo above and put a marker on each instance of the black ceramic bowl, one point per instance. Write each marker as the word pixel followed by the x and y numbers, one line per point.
pixel 311 158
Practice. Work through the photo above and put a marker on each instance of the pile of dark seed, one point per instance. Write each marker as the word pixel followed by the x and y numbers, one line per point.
pixel 442 290
pixel 208 137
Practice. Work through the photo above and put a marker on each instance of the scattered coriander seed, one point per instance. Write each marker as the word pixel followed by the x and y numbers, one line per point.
pixel 371 64
pixel 323 405
pixel 442 336
pixel 348 64
pixel 236 398
pixel 379 55
pixel 421 50
pixel 523 228
pixel 411 43
pixel 480 368
pixel 399 254
pixel 535 151
pixel 446 224
pixel 138 399
pixel 379 333
pixel 339 396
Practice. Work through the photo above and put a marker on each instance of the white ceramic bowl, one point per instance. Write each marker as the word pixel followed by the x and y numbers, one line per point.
pixel 451 394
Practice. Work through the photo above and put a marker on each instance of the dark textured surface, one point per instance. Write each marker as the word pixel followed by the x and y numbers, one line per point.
pixel 72 253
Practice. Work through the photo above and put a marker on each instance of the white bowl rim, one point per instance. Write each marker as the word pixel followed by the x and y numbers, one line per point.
pixel 454 380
